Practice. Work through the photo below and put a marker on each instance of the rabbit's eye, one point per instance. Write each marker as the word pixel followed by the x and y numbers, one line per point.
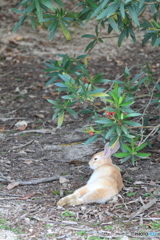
pixel 95 158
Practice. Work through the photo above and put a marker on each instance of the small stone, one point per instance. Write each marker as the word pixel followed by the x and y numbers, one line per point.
pixel 63 179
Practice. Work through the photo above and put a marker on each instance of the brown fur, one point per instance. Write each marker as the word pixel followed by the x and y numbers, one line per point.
pixel 104 183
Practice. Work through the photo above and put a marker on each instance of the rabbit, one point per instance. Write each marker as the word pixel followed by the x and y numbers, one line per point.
pixel 104 183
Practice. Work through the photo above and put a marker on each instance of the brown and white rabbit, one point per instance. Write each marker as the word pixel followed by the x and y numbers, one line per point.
pixel 104 183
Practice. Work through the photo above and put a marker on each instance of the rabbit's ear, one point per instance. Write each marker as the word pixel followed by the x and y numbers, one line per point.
pixel 108 151
pixel 115 147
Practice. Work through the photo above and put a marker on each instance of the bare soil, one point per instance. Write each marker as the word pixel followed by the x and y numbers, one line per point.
pixel 29 211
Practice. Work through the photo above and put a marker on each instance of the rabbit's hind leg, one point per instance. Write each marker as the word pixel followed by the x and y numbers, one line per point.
pixel 65 200
pixel 78 194
pixel 73 199
pixel 100 195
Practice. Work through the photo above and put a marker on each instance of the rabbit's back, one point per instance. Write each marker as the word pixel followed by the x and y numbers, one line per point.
pixel 106 175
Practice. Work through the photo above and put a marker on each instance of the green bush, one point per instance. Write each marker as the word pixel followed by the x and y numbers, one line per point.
pixel 116 119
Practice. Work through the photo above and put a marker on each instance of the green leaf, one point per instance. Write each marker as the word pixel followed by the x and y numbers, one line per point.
pixel 124 129
pixel 118 130
pixel 60 119
pixel 104 121
pixel 127 148
pixel 20 23
pixel 113 24
pixel 121 155
pixel 100 8
pixel 109 11
pixel 91 139
pixel 90 45
pixel 133 15
pixel 122 10
pixel 122 36
pixel 17 11
pixel 141 147
pixel 88 36
pixel 143 155
pixel 132 115
pixel 51 101
pixel 72 112
pixel 109 133
pixel 98 94
pixel 48 4
pixel 39 10
pixel 126 103
pixel 59 3
pixel 65 31
pixel 53 30
pixel 157 42
pixel 131 194
pixel 132 123
pixel 125 159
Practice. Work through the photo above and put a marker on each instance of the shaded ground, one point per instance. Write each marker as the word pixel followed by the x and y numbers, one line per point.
pixel 30 210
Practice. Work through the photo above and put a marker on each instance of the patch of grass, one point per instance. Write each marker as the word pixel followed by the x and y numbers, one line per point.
pixel 81 233
pixel 70 192
pixel 51 235
pixel 4 226
pixel 18 79
pixel 56 192
pixel 155 225
pixel 96 238
pixel 130 179
pixel 36 199
pixel 49 225
pixel 67 213
pixel 131 194
pixel 96 224
pixel 81 178
pixel 108 227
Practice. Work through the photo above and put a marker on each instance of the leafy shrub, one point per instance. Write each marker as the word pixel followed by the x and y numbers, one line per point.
pixel 116 120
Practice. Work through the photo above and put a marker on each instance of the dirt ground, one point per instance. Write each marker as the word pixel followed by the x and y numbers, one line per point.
pixel 28 210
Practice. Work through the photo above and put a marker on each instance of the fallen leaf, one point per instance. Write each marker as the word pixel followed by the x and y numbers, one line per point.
pixel 54 93
pixel 28 196
pixel 40 115
pixel 19 38
pixel 21 125
pixel 76 162
pixel 22 128
pixel 28 162
pixel 2 129
pixel 12 185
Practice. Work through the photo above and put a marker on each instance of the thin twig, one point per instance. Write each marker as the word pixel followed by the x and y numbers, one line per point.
pixel 35 181
pixel 143 208
pixel 24 145
pixel 34 131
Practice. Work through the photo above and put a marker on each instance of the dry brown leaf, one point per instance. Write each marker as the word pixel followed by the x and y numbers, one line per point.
pixel 54 93
pixel 28 162
pixel 76 162
pixel 2 129
pixel 19 38
pixel 12 185
pixel 40 115
pixel 28 196
pixel 22 128
pixel 21 125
